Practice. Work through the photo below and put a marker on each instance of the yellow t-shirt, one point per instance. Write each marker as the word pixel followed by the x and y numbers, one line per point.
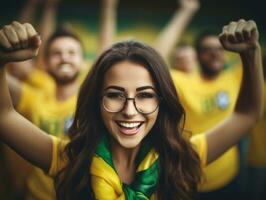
pixel 59 160
pixel 85 71
pixel 44 82
pixel 40 79
pixel 207 103
pixel 257 146
pixel 52 116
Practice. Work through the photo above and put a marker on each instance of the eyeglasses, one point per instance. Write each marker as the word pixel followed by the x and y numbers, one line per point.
pixel 211 49
pixel 144 102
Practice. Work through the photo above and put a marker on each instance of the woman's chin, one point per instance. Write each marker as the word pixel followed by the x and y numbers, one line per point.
pixel 129 143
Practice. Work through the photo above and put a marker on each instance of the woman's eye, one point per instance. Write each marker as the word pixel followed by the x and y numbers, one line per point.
pixel 114 95
pixel 146 95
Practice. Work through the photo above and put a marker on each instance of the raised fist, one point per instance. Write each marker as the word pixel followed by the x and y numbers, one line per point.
pixel 18 42
pixel 240 36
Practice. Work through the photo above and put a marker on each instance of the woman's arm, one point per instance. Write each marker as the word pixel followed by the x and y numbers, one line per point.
pixel 17 132
pixel 171 34
pixel 22 70
pixel 240 37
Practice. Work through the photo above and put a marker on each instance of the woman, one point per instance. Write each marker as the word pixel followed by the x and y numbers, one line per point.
pixel 127 139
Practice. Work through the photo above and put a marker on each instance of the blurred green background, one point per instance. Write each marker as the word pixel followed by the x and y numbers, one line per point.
pixel 143 19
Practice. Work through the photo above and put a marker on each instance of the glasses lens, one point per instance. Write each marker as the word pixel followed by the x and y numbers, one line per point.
pixel 113 101
pixel 146 102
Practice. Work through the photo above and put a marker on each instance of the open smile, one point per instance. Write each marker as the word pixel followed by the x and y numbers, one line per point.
pixel 66 68
pixel 129 128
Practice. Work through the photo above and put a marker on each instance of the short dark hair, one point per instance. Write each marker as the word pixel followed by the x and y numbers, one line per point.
pixel 62 32
pixel 201 37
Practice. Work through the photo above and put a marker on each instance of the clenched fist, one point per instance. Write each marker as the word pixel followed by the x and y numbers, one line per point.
pixel 240 36
pixel 18 42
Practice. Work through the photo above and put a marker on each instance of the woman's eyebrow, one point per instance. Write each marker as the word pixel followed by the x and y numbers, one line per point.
pixel 123 89
pixel 145 88
pixel 115 87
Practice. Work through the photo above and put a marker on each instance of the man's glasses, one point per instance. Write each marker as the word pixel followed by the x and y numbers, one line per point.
pixel 144 102
pixel 211 48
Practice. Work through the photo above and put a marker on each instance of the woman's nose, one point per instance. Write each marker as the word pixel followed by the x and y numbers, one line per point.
pixel 130 109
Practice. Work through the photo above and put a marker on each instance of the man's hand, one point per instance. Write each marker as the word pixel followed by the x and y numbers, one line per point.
pixel 192 5
pixel 240 37
pixel 18 42
pixel 110 3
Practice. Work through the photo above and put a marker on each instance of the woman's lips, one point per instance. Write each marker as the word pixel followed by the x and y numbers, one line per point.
pixel 129 129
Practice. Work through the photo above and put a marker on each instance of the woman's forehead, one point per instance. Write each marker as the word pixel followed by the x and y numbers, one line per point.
pixel 127 74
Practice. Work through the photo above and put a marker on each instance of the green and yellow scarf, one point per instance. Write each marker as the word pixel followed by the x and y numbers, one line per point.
pixel 106 183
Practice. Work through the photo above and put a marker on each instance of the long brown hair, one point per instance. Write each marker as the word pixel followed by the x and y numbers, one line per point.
pixel 179 164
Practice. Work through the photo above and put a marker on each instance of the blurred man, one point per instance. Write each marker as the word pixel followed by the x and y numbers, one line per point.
pixel 52 113
pixel 172 32
pixel 210 97
pixel 184 59
pixel 52 109
pixel 210 55
pixel 32 73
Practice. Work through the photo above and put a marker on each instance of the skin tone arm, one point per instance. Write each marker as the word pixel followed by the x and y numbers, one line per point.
pixel 21 70
pixel 47 25
pixel 12 125
pixel 240 37
pixel 108 23
pixel 171 34
pixel 27 13
pixel 15 89
pixel 48 21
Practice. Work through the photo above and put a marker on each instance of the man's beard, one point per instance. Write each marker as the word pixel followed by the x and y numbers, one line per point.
pixel 65 80
pixel 208 71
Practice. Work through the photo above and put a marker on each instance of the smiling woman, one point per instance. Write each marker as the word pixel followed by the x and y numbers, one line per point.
pixel 133 119
pixel 129 74
pixel 126 139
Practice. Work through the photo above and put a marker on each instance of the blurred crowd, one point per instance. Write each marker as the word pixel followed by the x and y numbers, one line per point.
pixel 207 80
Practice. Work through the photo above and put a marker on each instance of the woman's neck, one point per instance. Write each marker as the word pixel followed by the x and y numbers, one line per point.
pixel 124 162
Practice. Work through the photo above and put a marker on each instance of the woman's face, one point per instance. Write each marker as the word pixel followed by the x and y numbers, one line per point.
pixel 127 126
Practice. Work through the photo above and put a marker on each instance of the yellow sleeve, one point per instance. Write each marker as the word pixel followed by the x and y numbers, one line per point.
pixel 59 160
pixel 199 143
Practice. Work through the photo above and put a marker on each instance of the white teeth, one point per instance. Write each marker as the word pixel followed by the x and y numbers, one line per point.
pixel 129 125
pixel 66 67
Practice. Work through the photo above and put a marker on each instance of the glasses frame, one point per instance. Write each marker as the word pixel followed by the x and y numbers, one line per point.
pixel 134 102
pixel 210 49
